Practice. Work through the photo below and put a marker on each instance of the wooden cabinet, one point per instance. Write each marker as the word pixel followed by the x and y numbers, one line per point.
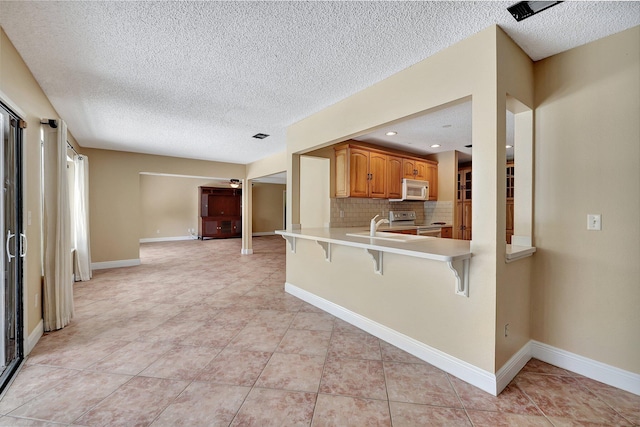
pixel 394 177
pixel 463 203
pixel 376 173
pixel 446 232
pixel 510 195
pixel 360 172
pixel 220 212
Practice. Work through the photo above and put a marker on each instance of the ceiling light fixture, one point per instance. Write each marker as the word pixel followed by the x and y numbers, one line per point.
pixel 391 133
pixel 525 9
pixel 234 183
pixel 435 145
pixel 446 126
pixel 260 136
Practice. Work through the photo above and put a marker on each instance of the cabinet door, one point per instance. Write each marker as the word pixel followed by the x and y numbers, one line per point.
pixel 421 171
pixel 210 228
pixel 358 172
pixel 446 232
pixel 394 177
pixel 509 227
pixel 408 168
pixel 204 204
pixel 377 175
pixel 342 173
pixel 432 177
pixel 466 208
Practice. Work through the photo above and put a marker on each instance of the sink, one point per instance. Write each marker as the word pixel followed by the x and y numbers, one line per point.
pixel 391 237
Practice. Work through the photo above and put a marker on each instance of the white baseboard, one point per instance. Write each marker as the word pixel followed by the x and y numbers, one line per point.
pixel 115 264
pixel 167 239
pixel 263 233
pixel 34 337
pixel 509 370
pixel 589 368
pixel 246 252
pixel 465 371
pixel 480 378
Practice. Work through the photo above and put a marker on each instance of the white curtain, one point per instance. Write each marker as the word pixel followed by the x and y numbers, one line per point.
pixel 81 218
pixel 58 281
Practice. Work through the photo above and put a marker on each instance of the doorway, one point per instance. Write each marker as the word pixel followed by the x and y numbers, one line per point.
pixel 13 244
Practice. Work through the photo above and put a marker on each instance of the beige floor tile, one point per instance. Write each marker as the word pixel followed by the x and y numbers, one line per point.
pixel 413 415
pixel 235 367
pixel 564 397
pixel 132 358
pixel 138 402
pixel 355 346
pixel 31 381
pixel 181 363
pixel 71 397
pixel 333 411
pixel 276 408
pixel 423 384
pixel 354 377
pixel 511 399
pixel 292 372
pixel 203 404
pixel 313 321
pixel 258 338
pixel 299 341
pixel 503 419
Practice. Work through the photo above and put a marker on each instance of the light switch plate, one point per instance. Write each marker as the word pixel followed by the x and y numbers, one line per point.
pixel 594 222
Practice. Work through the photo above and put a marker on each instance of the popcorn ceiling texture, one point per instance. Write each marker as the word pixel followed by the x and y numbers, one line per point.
pixel 198 79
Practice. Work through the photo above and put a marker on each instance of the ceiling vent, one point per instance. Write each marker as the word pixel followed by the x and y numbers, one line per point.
pixel 260 136
pixel 525 9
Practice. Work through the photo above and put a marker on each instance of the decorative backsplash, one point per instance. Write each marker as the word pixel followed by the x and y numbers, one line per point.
pixel 355 212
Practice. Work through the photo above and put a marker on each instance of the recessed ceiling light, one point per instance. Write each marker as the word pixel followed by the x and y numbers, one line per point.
pixel 260 136
pixel 509 146
pixel 446 126
pixel 435 145
pixel 391 133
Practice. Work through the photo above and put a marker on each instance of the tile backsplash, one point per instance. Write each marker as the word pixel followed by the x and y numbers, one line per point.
pixel 355 212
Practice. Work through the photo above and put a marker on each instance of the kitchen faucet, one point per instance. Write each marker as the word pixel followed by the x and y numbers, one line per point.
pixel 374 225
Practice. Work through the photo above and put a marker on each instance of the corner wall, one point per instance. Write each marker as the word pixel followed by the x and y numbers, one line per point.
pixel 586 293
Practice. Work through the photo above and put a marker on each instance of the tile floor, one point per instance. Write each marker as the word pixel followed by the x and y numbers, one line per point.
pixel 201 336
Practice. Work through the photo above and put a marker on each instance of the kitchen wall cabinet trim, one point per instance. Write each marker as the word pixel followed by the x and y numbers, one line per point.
pixel 455 253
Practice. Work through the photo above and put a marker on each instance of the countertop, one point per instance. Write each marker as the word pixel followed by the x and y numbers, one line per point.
pixel 447 250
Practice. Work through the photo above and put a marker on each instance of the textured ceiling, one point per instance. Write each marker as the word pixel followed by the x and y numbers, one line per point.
pixel 198 79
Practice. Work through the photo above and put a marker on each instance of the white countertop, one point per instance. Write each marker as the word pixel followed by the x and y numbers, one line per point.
pixel 447 250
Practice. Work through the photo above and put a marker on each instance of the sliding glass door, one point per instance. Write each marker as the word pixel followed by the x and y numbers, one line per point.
pixel 13 246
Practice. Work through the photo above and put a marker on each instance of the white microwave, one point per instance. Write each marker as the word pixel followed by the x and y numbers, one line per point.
pixel 414 189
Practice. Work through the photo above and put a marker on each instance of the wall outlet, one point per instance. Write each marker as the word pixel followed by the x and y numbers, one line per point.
pixel 158 231
pixel 594 222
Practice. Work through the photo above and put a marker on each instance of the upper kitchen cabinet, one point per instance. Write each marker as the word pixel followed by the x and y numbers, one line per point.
pixel 424 170
pixel 394 177
pixel 360 172
pixel 375 172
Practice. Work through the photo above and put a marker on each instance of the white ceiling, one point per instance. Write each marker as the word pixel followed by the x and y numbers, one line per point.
pixel 198 79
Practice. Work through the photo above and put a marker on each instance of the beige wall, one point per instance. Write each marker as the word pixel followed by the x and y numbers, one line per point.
pixel 169 204
pixel 466 69
pixel 268 207
pixel 586 293
pixel 20 90
pixel 114 198
pixel 314 192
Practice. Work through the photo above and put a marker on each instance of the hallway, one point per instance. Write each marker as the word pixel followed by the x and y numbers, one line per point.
pixel 199 335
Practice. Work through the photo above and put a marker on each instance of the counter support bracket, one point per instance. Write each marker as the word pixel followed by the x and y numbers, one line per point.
pixel 462 283
pixel 377 260
pixel 327 249
pixel 292 242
